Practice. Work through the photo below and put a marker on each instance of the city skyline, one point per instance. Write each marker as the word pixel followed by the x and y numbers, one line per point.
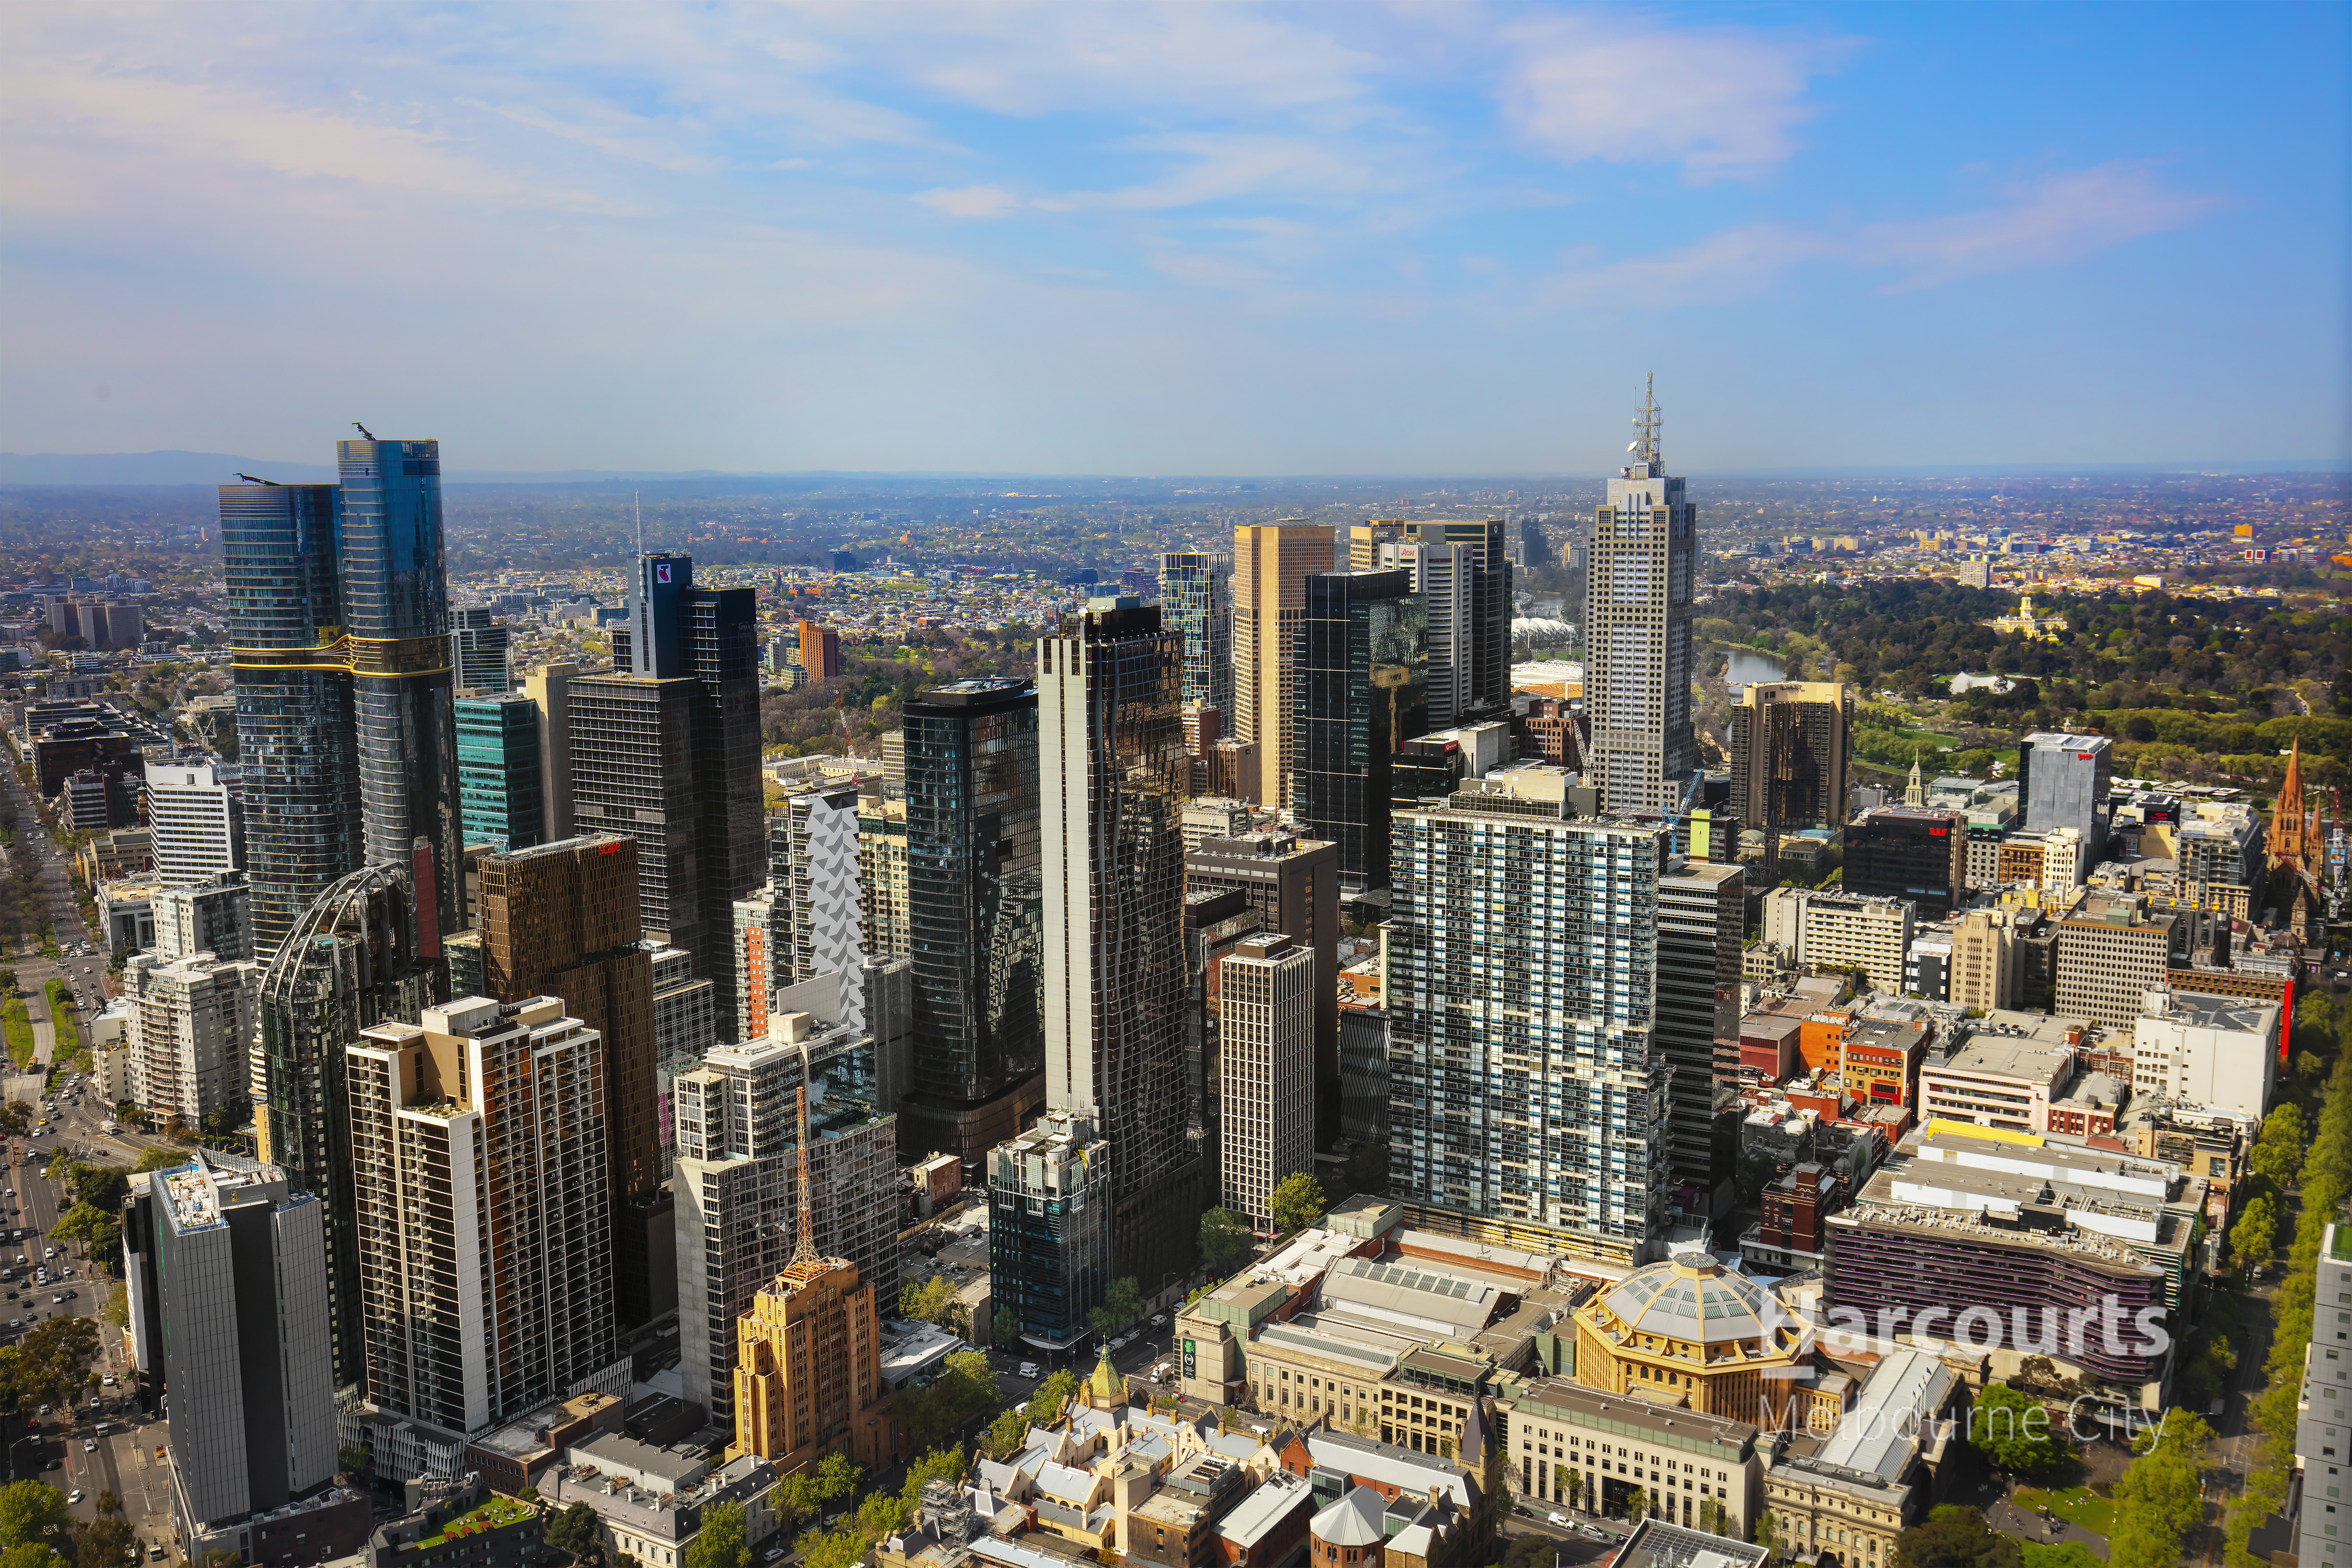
pixel 1160 236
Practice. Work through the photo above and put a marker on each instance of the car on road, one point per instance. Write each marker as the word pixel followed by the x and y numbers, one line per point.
pixel 74 1496
pixel 1159 1320
pixel 90 1445
pixel 1028 1368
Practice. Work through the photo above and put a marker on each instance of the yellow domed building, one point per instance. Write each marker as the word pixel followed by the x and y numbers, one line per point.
pixel 1688 1332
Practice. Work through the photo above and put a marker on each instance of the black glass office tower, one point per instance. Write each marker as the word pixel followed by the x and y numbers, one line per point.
pixel 665 747
pixel 396 621
pixel 1361 663
pixel 295 735
pixel 975 909
pixel 1112 771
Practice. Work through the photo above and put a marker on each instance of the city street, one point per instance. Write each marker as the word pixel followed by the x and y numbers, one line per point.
pixel 122 1457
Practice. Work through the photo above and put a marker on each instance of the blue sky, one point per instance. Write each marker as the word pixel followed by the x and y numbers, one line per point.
pixel 1199 236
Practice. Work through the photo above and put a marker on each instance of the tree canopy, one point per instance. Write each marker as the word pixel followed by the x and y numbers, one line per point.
pixel 1226 1242
pixel 721 1543
pixel 1299 1202
pixel 2014 1431
pixel 1955 1537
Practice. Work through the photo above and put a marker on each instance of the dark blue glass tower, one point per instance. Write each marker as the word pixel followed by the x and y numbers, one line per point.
pixel 395 601
pixel 296 741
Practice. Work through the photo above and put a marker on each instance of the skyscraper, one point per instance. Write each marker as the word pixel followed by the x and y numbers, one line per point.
pixel 806 921
pixel 367 950
pixel 820 651
pixel 1271 564
pixel 196 824
pixel 296 737
pixel 395 603
pixel 1792 743
pixel 1293 883
pixel 1637 632
pixel 1528 1088
pixel 214 917
pixel 665 747
pixel 226 1281
pixel 1445 579
pixel 190 1035
pixel 1112 762
pixel 975 910
pixel 501 797
pixel 1266 1071
pixel 560 919
pixel 478 649
pixel 550 687
pixel 1360 674
pixel 2062 782
pixel 1909 852
pixel 1702 914
pixel 485 1266
pixel 1196 596
pixel 736 1185
pixel 1462 569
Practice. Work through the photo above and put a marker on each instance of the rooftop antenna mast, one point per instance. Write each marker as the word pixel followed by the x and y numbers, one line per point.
pixel 1647 423
pixel 804 1248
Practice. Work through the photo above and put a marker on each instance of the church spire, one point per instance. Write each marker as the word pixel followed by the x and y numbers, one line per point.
pixel 2287 833
pixel 1915 792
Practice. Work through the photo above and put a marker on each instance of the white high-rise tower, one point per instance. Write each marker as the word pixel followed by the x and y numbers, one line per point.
pixel 1637 631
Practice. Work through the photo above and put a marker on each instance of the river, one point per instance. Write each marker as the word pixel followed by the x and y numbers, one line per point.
pixel 1748 666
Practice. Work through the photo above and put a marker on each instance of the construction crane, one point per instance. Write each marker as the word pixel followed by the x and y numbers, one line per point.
pixel 1675 817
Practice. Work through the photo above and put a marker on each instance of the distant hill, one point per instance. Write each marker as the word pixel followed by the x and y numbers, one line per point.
pixel 150 469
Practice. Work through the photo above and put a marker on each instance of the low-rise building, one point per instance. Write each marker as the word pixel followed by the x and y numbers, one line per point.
pixel 650 1503
pixel 1574 1448
pixel 456 1524
pixel 1997 1080
pixel 1849 1497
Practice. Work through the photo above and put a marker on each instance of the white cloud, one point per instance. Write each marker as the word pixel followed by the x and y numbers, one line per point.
pixel 1721 101
pixel 2048 221
pixel 972 201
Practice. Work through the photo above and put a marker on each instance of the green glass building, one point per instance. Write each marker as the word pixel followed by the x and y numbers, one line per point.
pixel 498 771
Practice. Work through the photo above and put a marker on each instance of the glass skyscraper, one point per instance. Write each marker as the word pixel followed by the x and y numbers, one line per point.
pixel 1528 1088
pixel 1196 598
pixel 665 747
pixel 1359 690
pixel 499 789
pixel 395 603
pixel 1112 772
pixel 975 909
pixel 296 741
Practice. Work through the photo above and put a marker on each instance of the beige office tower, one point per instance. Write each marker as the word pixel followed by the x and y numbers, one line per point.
pixel 1981 971
pixel 1266 1072
pixel 1637 632
pixel 1271 564
pixel 550 687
